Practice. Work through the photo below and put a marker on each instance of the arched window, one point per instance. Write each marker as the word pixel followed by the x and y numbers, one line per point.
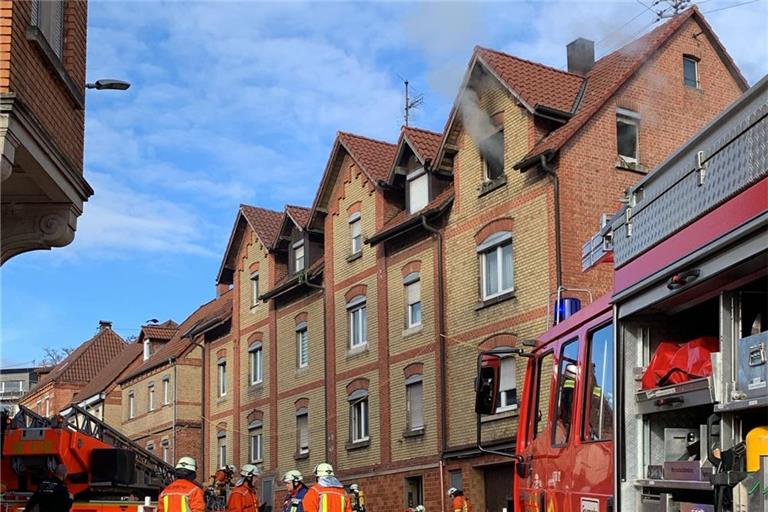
pixel 358 321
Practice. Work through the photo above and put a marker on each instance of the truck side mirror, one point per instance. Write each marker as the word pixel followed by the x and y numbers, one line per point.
pixel 487 383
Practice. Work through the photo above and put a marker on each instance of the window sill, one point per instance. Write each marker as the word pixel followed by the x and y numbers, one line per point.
pixel 623 165
pixel 221 400
pixel 495 300
pixel 35 36
pixel 411 434
pixel 412 331
pixel 500 416
pixel 355 256
pixel 300 372
pixel 301 455
pixel 357 351
pixel 256 386
pixel 489 186
pixel 254 308
pixel 356 445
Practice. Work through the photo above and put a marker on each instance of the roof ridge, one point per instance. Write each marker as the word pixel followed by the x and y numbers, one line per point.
pixel 260 208
pixel 534 63
pixel 367 138
pixel 297 206
pixel 421 130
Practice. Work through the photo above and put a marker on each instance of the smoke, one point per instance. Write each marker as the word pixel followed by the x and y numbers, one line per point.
pixel 476 120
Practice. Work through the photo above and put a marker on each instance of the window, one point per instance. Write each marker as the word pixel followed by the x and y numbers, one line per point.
pixel 151 397
pixel 298 256
pixel 598 419
pixel 507 385
pixel 302 431
pixel 222 381
pixel 691 71
pixel 413 299
pixel 255 289
pixel 166 448
pixel 358 402
pixel 256 363
pixel 414 402
pixel 39 407
pixel 454 476
pixel 131 405
pixel 255 446
pixel 150 446
pixel 222 448
pixel 355 234
pixel 627 123
pixel 358 322
pixel 540 414
pixel 418 190
pixel 10 386
pixel 166 391
pixel 414 491
pixel 496 264
pixel 47 406
pixel 48 16
pixel 492 151
pixel 567 374
pixel 147 349
pixel 302 345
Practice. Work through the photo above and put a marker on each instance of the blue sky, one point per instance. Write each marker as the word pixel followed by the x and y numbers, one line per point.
pixel 239 103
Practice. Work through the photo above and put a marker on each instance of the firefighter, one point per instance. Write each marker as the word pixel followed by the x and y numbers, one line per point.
pixel 294 484
pixel 243 497
pixel 183 494
pixel 459 502
pixel 52 494
pixel 327 495
pixel 358 498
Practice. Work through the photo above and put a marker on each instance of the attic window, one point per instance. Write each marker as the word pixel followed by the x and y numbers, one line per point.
pixel 627 125
pixel 418 189
pixel 691 71
pixel 492 151
pixel 298 256
pixel 147 348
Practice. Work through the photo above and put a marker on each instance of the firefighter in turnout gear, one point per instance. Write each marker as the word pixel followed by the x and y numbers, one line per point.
pixel 52 494
pixel 243 497
pixel 183 494
pixel 459 502
pixel 358 498
pixel 296 491
pixel 327 495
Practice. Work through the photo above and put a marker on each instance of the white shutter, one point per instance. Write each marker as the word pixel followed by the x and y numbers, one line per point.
pixel 507 380
pixel 413 292
pixel 418 193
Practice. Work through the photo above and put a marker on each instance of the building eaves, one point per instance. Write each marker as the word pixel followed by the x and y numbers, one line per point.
pixel 292 282
pixel 405 221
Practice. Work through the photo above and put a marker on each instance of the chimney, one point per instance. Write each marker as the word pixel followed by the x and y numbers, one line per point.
pixel 581 56
pixel 104 324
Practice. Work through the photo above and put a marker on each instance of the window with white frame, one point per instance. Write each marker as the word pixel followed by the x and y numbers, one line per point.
pixel 47 406
pixel 255 289
pixel 302 431
pixel 298 256
pixel 418 189
pixel 131 405
pixel 412 284
pixel 414 402
pixel 222 448
pixel 48 16
pixel 150 446
pixel 690 71
pixel 496 265
pixel 492 151
pixel 9 386
pixel 358 403
pixel 151 397
pixel 255 440
pixel 222 377
pixel 256 363
pixel 358 321
pixel 507 384
pixel 627 128
pixel 147 349
pixel 166 450
pixel 355 232
pixel 302 345
pixel 166 391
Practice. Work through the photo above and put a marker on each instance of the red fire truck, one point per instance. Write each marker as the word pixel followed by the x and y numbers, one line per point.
pixel 654 397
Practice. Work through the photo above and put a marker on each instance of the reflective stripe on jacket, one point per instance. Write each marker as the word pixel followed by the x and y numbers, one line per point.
pixel 181 496
pixel 461 504
pixel 326 499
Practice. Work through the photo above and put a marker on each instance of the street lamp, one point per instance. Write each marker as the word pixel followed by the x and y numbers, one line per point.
pixel 108 83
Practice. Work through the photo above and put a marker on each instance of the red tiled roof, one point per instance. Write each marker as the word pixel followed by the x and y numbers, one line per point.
pixel 163 331
pixel 607 75
pixel 107 376
pixel 266 223
pixel 536 84
pixel 286 278
pixel 424 142
pixel 217 309
pixel 87 360
pixel 374 156
pixel 299 214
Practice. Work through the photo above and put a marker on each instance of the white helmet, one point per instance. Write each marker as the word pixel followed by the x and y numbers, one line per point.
pixel 293 475
pixel 187 463
pixel 452 491
pixel 354 487
pixel 249 470
pixel 323 469
pixel 419 508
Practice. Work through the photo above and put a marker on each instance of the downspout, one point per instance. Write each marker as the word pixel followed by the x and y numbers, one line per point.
pixel 558 257
pixel 325 357
pixel 172 361
pixel 441 348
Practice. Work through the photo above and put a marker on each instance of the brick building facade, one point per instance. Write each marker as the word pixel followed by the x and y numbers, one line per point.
pixel 42 101
pixel 356 323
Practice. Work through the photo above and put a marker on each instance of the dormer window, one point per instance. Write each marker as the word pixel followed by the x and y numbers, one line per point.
pixel 492 151
pixel 418 189
pixel 147 348
pixel 355 233
pixel 298 256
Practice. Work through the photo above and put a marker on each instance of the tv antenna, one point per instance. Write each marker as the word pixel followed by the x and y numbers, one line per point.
pixel 415 102
pixel 676 6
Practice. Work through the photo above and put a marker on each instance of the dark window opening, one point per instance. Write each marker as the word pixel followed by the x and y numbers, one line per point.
pixel 626 138
pixel 690 72
pixel 492 151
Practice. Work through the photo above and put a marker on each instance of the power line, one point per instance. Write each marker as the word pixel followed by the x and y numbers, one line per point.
pixel 731 6
pixel 610 34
